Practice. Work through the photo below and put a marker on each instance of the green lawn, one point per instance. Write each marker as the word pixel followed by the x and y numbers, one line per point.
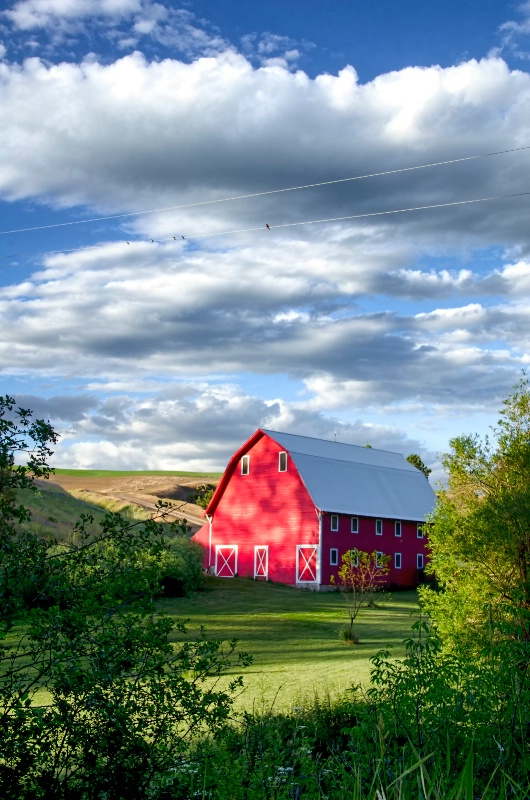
pixel 293 636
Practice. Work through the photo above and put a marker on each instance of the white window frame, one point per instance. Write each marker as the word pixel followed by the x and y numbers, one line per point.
pixel 379 527
pixel 355 524
pixel 398 561
pixel 245 465
pixel 354 557
pixel 419 531
pixel 420 561
pixel 334 519
pixel 397 528
pixel 283 453
pixel 334 557
pixel 378 556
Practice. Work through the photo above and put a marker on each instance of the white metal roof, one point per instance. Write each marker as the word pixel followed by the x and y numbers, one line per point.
pixel 362 481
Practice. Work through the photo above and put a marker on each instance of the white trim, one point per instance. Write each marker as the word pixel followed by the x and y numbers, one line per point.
pixel 210 521
pixel 356 525
pixel 420 534
pixel 333 556
pixel 398 527
pixel 334 517
pixel 233 548
pixel 280 454
pixel 379 524
pixel 261 560
pixel 300 575
pixel 378 563
pixel 245 460
pixel 396 565
pixel 419 558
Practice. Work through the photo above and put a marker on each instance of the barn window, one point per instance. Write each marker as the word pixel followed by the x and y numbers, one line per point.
pixel 397 528
pixel 245 465
pixel 354 558
pixel 378 559
pixel 334 522
pixel 355 524
pixel 379 527
pixel 419 561
pixel 333 557
pixel 419 531
pixel 397 560
pixel 282 462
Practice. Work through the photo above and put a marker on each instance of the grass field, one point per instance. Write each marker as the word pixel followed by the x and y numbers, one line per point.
pixel 293 636
pixel 111 473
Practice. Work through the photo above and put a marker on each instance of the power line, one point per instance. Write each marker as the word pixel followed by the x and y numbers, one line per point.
pixel 263 194
pixel 267 227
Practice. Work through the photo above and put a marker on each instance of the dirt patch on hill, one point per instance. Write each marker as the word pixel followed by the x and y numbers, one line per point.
pixel 141 490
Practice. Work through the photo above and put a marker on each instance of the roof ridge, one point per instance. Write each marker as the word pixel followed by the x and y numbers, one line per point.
pixel 331 441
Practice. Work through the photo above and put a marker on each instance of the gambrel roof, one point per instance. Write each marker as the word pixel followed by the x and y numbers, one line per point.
pixel 362 481
pixel 348 479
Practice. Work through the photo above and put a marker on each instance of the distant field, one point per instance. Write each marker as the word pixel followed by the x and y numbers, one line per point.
pixel 113 473
pixel 293 636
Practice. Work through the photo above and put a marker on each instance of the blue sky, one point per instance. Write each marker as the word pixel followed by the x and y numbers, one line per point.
pixel 126 125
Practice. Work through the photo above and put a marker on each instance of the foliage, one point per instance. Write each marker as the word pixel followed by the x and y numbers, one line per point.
pixel 203 494
pixel 417 462
pixel 94 699
pixel 480 536
pixel 360 576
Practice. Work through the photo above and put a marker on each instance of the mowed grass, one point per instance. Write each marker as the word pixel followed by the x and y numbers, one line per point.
pixel 293 636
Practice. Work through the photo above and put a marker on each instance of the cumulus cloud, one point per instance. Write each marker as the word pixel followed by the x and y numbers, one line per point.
pixel 186 426
pixel 30 14
pixel 380 313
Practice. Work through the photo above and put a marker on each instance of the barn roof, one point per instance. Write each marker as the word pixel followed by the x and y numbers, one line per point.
pixel 362 481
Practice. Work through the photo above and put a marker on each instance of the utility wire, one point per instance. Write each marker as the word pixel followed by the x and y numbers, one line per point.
pixel 267 227
pixel 263 194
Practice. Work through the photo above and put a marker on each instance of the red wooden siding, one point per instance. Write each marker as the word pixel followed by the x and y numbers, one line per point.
pixel 264 508
pixel 408 544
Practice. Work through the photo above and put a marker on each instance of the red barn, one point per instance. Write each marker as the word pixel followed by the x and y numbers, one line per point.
pixel 289 506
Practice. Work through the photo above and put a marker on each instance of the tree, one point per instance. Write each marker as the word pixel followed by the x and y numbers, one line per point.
pixel 480 532
pixel 360 576
pixel 98 691
pixel 417 462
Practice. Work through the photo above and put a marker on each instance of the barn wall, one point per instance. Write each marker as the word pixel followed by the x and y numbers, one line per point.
pixel 409 545
pixel 265 507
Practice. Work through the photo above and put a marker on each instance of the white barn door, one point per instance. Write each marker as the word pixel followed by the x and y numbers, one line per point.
pixel 226 560
pixel 261 561
pixel 307 563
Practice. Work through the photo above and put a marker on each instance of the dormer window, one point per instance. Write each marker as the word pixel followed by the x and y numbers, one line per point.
pixel 245 465
pixel 282 462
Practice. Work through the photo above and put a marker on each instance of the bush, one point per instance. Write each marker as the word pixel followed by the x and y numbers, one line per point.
pixel 181 568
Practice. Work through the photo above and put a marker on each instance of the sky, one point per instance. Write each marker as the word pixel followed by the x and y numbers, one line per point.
pixel 173 278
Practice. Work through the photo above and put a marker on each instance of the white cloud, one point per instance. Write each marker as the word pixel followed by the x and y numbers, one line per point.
pixel 386 311
pixel 30 14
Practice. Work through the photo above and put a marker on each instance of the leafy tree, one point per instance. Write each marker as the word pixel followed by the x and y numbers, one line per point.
pixel 203 494
pixel 480 532
pixel 98 691
pixel 417 462
pixel 360 576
